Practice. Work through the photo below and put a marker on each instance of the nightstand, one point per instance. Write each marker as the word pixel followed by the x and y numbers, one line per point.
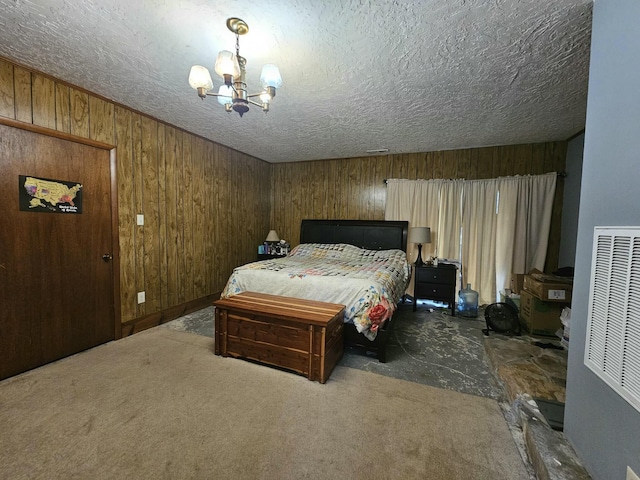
pixel 436 283
pixel 268 256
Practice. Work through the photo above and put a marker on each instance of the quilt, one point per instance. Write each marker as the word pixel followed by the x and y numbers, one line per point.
pixel 370 283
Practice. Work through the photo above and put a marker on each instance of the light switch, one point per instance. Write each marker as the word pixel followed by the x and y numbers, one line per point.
pixel 140 219
pixel 141 298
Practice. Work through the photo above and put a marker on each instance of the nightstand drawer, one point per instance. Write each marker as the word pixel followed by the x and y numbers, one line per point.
pixel 436 275
pixel 432 290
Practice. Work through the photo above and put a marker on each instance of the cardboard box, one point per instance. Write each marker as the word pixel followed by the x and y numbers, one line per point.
pixel 539 317
pixel 517 282
pixel 513 299
pixel 549 288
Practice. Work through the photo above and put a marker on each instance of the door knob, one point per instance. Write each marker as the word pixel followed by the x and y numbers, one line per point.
pixel 106 257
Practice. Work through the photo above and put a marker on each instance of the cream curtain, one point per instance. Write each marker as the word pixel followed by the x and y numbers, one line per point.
pixel 524 221
pixel 495 227
pixel 426 213
pixel 479 221
pixel 416 201
pixel 449 221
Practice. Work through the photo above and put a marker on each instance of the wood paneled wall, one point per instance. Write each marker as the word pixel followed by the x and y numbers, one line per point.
pixel 354 188
pixel 205 206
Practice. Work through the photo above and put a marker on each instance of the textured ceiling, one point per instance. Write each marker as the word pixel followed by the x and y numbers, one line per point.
pixel 410 76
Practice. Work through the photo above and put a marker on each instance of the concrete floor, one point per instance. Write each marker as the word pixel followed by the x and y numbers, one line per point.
pixel 531 374
pixel 525 368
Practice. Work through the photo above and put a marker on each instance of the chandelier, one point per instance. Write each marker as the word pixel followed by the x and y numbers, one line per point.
pixel 231 67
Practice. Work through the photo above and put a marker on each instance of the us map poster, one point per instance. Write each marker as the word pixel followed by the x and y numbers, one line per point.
pixel 47 195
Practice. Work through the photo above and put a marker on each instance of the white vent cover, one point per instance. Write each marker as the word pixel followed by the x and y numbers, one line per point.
pixel 613 328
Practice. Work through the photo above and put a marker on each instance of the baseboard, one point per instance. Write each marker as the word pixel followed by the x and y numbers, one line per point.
pixel 154 319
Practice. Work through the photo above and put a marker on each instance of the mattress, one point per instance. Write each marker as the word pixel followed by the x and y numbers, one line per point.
pixel 370 283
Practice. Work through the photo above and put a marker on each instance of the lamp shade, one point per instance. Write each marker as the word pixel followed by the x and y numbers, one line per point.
pixel 227 64
pixel 225 95
pixel 272 237
pixel 199 77
pixel 270 76
pixel 419 235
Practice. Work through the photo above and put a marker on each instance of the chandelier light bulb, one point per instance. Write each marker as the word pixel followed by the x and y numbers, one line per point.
pixel 227 64
pixel 265 97
pixel 270 76
pixel 225 95
pixel 199 77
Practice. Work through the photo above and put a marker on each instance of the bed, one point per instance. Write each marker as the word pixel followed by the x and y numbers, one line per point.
pixel 358 263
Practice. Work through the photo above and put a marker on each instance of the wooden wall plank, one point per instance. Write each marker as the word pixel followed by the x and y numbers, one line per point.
pixel 244 232
pixel 317 183
pixel 379 187
pixel 101 120
pixel 508 156
pixel 172 215
pixel 421 165
pixel 63 108
pixel 473 163
pixel 224 217
pixel 138 205
pixel 367 197
pixel 44 101
pixel 209 201
pixel 463 169
pixel 22 94
pixel 232 199
pixel 353 189
pixel 79 113
pixel 7 107
pixel 126 214
pixel 438 165
pixel 186 195
pixel 500 162
pixel 180 214
pixel 428 166
pixel 199 218
pixel 450 164
pixel 485 163
pixel 149 208
pixel 162 218
pixel 523 159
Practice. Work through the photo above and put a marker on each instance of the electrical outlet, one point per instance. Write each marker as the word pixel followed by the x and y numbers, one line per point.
pixel 631 474
pixel 141 297
pixel 140 219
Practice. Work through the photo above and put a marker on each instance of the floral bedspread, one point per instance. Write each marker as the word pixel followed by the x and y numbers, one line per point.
pixel 369 283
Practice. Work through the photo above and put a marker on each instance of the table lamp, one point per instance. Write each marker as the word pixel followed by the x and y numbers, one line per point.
pixel 272 236
pixel 419 235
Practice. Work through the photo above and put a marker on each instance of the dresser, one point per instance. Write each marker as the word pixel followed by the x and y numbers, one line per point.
pixel 436 283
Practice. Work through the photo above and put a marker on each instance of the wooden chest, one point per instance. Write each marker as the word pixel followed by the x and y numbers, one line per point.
pixel 304 336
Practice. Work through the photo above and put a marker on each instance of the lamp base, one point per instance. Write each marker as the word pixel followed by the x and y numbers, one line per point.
pixel 419 261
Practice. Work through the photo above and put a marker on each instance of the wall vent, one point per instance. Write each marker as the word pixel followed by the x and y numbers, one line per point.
pixel 613 325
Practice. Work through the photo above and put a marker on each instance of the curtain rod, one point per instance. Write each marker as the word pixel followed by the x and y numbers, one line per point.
pixel 559 174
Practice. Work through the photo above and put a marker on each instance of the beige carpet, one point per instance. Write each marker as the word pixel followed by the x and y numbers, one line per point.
pixel 161 405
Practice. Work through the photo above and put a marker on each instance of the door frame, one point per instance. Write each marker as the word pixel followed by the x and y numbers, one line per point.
pixel 115 244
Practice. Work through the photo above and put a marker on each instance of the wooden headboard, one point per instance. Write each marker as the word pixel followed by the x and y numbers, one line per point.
pixel 369 234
